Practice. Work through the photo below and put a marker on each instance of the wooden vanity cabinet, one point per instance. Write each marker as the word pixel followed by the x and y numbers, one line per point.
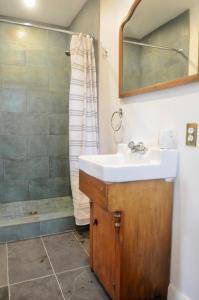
pixel 130 236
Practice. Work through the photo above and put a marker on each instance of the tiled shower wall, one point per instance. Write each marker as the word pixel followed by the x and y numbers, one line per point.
pixel 34 82
pixel 148 65
pixel 132 67
pixel 168 64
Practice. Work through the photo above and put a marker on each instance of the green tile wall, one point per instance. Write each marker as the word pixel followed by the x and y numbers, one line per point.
pixel 34 91
pixel 146 66
pixel 132 67
pixel 158 65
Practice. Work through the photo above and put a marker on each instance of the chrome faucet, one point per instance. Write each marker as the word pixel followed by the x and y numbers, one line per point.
pixel 137 148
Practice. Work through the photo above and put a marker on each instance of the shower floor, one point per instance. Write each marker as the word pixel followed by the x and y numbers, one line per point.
pixel 35 210
pixel 35 217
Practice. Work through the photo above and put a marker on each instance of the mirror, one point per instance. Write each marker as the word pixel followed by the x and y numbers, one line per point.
pixel 159 46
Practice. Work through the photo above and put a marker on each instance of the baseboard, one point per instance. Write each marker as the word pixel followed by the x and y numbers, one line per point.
pixel 175 294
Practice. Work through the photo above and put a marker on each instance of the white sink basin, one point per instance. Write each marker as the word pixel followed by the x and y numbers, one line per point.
pixel 154 164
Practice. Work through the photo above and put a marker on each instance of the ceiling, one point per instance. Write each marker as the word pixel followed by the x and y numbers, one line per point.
pixel 56 12
pixel 151 14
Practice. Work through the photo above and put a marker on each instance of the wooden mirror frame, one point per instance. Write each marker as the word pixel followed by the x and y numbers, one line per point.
pixel 153 87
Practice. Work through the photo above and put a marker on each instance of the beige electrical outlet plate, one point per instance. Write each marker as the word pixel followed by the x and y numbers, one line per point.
pixel 191 134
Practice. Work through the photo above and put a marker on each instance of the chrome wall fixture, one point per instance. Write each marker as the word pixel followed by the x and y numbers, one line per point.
pixel 178 50
pixel 117 126
pixel 40 25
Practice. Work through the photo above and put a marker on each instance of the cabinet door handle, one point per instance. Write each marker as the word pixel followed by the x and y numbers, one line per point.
pixel 117 214
pixel 95 221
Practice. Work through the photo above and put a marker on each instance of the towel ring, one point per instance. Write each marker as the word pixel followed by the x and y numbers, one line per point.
pixel 118 125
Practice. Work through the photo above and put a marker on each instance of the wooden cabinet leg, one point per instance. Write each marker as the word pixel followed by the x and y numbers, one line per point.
pixel 118 220
pixel 91 235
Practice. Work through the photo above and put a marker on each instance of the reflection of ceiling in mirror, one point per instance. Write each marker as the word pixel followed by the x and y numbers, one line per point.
pixel 151 14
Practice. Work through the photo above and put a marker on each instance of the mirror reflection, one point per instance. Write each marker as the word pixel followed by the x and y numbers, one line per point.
pixel 160 43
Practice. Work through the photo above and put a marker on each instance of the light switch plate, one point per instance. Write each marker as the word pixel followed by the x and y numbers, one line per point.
pixel 191 134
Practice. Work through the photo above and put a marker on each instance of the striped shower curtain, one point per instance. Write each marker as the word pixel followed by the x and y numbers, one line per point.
pixel 83 120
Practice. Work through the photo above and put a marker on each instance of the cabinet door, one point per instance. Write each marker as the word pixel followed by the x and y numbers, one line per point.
pixel 103 250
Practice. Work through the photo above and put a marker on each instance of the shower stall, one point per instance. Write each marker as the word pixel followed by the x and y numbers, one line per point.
pixel 35 194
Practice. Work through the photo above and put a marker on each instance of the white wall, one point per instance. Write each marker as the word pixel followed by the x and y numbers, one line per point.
pixel 83 22
pixel 144 116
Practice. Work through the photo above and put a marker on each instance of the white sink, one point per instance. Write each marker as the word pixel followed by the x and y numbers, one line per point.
pixel 154 164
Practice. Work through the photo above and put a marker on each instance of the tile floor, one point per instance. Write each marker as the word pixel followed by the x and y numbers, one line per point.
pixel 48 268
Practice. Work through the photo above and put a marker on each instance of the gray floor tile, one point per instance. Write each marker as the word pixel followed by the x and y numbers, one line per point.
pixel 40 289
pixel 27 260
pixel 3 266
pixel 81 284
pixel 4 293
pixel 83 237
pixel 65 252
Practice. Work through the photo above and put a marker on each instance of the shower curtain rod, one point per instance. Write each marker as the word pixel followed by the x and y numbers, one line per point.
pixel 178 50
pixel 40 26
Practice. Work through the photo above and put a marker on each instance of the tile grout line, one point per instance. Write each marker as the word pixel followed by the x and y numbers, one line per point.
pixel 46 276
pixel 52 268
pixel 3 286
pixel 8 280
pixel 32 279
pixel 81 244
pixel 71 270
pixel 36 237
pixel 57 233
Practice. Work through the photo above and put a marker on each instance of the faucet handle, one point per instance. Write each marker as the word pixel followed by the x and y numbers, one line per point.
pixel 140 144
pixel 131 145
pixel 141 147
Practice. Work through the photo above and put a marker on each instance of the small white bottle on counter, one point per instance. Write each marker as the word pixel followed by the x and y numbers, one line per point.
pixel 167 139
